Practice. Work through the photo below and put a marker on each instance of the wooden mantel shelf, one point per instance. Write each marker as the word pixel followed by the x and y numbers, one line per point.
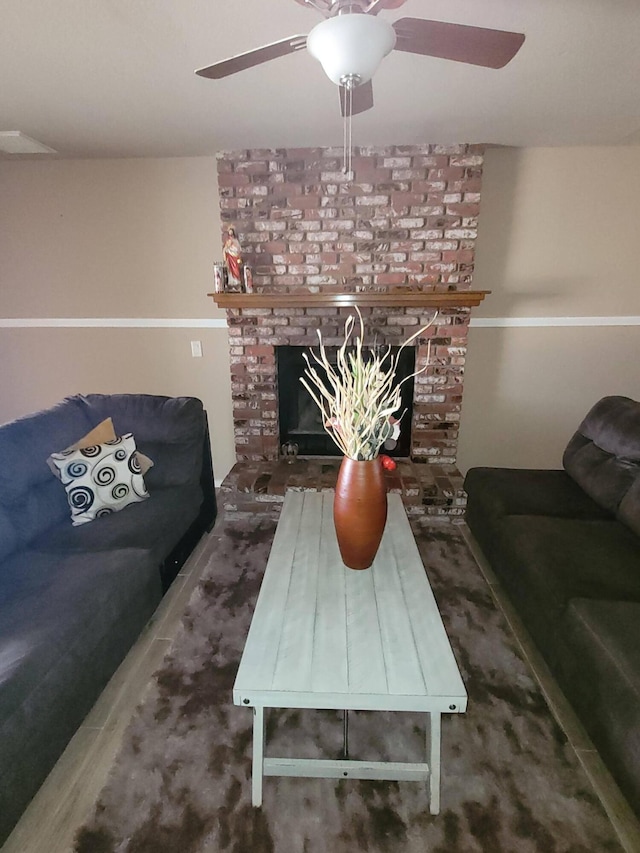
pixel 393 299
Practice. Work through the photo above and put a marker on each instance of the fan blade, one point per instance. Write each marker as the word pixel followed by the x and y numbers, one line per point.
pixel 253 57
pixel 376 6
pixel 362 98
pixel 459 42
pixel 322 6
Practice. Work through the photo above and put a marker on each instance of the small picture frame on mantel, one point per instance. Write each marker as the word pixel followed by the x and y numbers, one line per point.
pixel 219 277
pixel 247 274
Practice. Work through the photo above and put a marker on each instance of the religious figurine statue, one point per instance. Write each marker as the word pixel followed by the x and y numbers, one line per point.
pixel 232 254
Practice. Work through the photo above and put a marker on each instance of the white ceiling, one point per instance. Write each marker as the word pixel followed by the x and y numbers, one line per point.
pixel 114 78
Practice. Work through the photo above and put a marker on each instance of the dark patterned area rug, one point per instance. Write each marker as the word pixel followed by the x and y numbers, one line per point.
pixel 182 782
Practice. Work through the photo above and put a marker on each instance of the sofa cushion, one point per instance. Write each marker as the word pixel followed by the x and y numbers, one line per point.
pixel 170 430
pixel 26 443
pixel 156 525
pixel 598 663
pixel 545 562
pixel 101 479
pixel 495 492
pixel 603 456
pixel 65 625
pixel 629 509
pixel 51 604
pixel 8 535
pixel 30 497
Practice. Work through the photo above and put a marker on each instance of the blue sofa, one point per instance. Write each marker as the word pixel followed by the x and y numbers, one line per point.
pixel 73 599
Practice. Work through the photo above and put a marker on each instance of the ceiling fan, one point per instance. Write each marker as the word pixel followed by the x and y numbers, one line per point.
pixel 352 41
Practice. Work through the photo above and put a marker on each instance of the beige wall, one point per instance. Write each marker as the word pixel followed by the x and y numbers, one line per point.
pixel 112 239
pixel 40 366
pixel 526 390
pixel 108 238
pixel 559 232
pixel 559 235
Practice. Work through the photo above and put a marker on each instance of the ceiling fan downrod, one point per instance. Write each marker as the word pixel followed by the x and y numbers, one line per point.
pixel 349 82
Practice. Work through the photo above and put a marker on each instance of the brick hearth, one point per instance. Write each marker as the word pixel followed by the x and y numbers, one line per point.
pixel 258 488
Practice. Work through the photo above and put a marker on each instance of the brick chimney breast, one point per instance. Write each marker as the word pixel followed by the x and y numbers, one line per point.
pixel 405 221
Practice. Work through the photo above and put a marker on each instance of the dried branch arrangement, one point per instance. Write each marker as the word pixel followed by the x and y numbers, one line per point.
pixel 360 395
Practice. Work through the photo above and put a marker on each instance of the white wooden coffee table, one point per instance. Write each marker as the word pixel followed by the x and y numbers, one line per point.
pixel 324 636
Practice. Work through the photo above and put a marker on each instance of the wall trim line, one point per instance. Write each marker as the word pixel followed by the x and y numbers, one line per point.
pixel 530 322
pixel 220 323
pixel 112 323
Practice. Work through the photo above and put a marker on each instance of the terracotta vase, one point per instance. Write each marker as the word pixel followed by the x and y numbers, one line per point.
pixel 360 511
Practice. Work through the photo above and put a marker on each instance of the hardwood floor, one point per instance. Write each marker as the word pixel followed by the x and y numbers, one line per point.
pixel 69 793
pixel 66 799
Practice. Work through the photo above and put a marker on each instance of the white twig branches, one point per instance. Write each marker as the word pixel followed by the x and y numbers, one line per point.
pixel 360 395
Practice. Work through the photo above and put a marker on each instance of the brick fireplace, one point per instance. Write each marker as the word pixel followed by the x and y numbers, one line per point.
pixel 256 332
pixel 397 238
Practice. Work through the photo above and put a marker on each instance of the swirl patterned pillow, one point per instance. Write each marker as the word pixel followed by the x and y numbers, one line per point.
pixel 101 479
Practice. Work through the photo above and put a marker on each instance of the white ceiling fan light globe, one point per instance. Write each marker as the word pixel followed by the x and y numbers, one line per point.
pixel 350 45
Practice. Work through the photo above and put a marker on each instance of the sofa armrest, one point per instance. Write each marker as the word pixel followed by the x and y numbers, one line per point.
pixel 603 456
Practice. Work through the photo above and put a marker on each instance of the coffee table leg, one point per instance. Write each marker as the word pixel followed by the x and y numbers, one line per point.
pixel 433 759
pixel 258 756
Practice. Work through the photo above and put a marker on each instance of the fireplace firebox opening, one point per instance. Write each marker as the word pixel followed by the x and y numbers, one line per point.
pixel 300 419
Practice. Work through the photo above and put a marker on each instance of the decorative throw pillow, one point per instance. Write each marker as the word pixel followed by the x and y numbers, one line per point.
pixel 99 435
pixel 101 479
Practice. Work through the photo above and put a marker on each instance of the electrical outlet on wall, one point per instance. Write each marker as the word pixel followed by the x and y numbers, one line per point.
pixel 196 349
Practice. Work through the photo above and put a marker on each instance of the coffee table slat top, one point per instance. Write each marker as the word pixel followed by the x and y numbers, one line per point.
pixel 324 636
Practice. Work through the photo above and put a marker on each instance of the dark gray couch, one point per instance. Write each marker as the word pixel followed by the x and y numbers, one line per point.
pixel 566 546
pixel 74 599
